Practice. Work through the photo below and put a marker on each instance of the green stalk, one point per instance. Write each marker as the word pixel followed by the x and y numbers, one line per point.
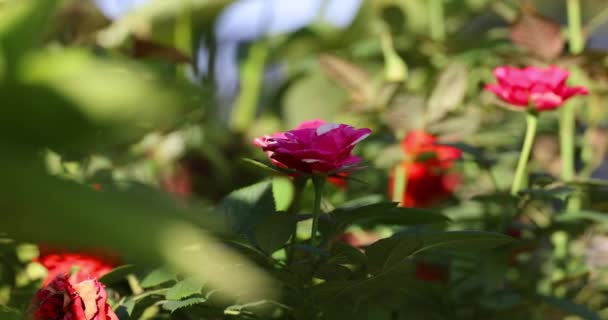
pixel 318 182
pixel 182 36
pixel 299 184
pixel 567 130
pixel 399 184
pixel 566 138
pixel 251 84
pixel 567 112
pixel 520 172
pixel 575 29
pixel 437 20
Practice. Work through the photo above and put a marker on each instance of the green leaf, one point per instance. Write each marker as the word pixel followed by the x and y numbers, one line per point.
pixel 172 306
pixel 283 192
pixel 244 208
pixel 448 93
pixel 386 253
pixel 184 289
pixel 157 277
pixel 571 307
pixel 118 274
pixel 272 232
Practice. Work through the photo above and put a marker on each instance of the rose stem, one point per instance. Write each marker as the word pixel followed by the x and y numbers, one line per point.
pixel 318 182
pixel 567 130
pixel 299 184
pixel 520 172
pixel 436 20
pixel 400 183
pixel 183 35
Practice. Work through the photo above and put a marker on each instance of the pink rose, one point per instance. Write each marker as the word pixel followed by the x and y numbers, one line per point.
pixel 62 300
pixel 545 88
pixel 314 147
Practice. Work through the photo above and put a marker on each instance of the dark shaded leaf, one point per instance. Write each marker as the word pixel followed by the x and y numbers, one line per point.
pixel 118 274
pixel 386 253
pixel 272 232
pixel 571 307
pixel 244 208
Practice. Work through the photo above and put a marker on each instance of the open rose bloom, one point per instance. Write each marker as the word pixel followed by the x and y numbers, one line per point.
pixel 544 89
pixel 427 166
pixel 65 300
pixel 314 147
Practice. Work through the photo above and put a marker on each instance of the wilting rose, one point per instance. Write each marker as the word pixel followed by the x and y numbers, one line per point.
pixel 427 166
pixel 545 89
pixel 314 147
pixel 85 265
pixel 63 300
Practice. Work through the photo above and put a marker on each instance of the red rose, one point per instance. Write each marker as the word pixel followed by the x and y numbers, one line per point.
pixel 63 300
pixel 87 265
pixel 545 88
pixel 427 166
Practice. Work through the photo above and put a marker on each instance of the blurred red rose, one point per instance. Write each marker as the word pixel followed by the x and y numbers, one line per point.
pixel 178 182
pixel 359 239
pixel 62 299
pixel 545 88
pixel 314 147
pixel 431 272
pixel 86 265
pixel 427 166
pixel 339 180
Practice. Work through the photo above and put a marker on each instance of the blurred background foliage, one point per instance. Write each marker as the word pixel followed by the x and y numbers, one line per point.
pixel 123 126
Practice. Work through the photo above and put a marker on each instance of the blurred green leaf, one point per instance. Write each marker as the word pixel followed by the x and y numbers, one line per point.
pixel 448 93
pixel 22 25
pixel 313 96
pixel 158 13
pixel 571 307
